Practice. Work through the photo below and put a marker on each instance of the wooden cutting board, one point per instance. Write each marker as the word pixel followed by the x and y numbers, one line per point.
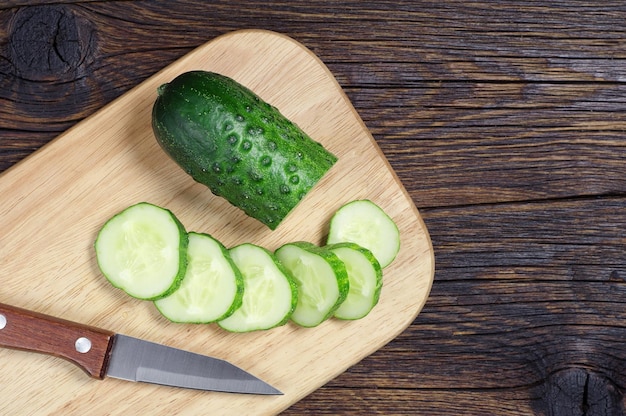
pixel 54 202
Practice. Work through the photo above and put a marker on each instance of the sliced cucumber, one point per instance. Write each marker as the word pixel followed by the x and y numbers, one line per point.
pixel 142 250
pixel 366 224
pixel 322 281
pixel 270 294
pixel 366 280
pixel 212 288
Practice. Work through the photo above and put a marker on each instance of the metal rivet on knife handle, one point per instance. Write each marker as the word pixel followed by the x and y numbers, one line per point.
pixel 3 321
pixel 83 345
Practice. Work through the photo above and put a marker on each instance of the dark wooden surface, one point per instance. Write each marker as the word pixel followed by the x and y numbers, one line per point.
pixel 504 120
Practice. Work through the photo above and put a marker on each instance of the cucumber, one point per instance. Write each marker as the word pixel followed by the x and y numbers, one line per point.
pixel 322 281
pixel 142 251
pixel 366 224
pixel 212 288
pixel 366 280
pixel 227 138
pixel 270 294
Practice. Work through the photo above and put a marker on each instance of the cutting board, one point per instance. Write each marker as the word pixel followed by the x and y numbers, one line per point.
pixel 54 202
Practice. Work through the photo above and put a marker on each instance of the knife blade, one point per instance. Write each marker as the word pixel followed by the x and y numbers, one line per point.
pixel 101 353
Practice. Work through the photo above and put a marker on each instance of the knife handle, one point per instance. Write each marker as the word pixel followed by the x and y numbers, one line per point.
pixel 86 346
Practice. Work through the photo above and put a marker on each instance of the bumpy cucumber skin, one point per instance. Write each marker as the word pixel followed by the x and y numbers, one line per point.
pixel 227 138
pixel 182 252
pixel 338 267
pixel 238 278
pixel 292 286
pixel 378 270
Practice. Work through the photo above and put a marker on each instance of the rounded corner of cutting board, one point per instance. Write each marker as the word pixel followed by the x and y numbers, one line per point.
pixel 288 352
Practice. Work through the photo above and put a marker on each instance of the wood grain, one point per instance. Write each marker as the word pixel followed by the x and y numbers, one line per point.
pixel 111 160
pixel 504 120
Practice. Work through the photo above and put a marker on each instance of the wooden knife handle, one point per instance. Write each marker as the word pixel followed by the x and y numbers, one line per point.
pixel 87 347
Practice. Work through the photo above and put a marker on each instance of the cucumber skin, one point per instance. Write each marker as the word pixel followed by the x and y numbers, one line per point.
pixel 242 148
pixel 336 264
pixel 375 264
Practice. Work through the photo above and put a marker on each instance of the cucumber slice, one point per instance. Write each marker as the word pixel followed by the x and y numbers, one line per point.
pixel 212 288
pixel 366 224
pixel 270 294
pixel 142 251
pixel 322 281
pixel 366 280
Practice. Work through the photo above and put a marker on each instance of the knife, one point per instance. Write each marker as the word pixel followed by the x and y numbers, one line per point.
pixel 102 353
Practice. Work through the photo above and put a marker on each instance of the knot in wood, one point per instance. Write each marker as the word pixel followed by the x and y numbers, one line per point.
pixel 49 42
pixel 579 392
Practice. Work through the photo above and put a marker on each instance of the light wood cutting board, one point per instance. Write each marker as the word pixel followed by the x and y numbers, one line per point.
pixel 54 202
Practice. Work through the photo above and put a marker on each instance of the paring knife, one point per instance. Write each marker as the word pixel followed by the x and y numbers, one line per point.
pixel 103 353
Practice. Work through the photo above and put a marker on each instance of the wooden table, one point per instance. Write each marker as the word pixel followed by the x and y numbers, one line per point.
pixel 505 122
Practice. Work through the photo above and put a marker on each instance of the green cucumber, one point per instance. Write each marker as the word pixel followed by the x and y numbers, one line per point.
pixel 227 138
pixel 366 280
pixel 366 224
pixel 270 294
pixel 212 288
pixel 142 250
pixel 322 281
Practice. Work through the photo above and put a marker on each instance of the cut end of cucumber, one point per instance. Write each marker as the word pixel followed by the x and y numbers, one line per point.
pixel 141 250
pixel 212 288
pixel 366 224
pixel 366 280
pixel 269 293
pixel 321 278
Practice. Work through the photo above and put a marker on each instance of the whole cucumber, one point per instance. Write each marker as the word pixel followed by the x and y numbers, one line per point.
pixel 227 138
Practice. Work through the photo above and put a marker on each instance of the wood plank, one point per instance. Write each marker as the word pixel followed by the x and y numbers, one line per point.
pixel 401 402
pixel 541 139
